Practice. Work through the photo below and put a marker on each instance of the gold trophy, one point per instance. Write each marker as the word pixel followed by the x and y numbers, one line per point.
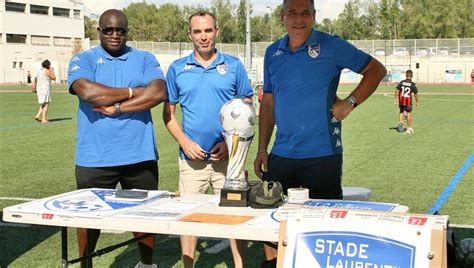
pixel 238 120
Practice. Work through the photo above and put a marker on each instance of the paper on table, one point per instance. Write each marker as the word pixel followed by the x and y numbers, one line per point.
pixel 170 210
pixel 151 195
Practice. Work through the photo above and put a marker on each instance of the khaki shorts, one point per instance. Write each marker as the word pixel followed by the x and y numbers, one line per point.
pixel 197 176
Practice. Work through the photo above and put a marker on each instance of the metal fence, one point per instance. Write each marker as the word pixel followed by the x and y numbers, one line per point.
pixel 405 47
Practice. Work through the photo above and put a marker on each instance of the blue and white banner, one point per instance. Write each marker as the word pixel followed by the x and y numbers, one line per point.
pixel 346 204
pixel 338 238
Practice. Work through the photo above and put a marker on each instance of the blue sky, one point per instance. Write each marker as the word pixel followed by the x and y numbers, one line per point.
pixel 324 8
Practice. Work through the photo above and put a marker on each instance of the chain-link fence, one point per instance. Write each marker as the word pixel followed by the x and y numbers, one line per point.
pixel 432 60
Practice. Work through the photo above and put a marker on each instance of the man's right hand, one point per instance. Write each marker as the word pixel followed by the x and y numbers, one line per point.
pixel 192 150
pixel 260 164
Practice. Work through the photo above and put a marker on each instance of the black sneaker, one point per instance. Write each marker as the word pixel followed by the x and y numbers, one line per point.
pixel 400 127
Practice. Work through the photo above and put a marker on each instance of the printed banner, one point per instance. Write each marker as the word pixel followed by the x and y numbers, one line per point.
pixel 339 238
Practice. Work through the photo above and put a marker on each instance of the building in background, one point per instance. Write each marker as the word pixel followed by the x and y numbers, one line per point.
pixel 34 30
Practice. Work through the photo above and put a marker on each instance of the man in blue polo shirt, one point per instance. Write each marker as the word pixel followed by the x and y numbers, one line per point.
pixel 201 83
pixel 117 86
pixel 301 76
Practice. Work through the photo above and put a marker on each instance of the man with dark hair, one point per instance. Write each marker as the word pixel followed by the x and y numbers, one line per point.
pixel 117 86
pixel 301 76
pixel 403 96
pixel 201 83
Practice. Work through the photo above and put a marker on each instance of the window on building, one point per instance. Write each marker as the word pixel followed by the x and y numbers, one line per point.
pixel 62 41
pixel 20 64
pixel 14 65
pixel 16 7
pixel 60 12
pixel 77 14
pixel 40 40
pixel 35 9
pixel 16 38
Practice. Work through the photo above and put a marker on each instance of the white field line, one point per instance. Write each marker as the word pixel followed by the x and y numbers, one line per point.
pixel 464 226
pixel 16 198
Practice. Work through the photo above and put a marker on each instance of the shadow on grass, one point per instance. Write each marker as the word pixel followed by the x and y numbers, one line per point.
pixel 17 239
pixel 59 119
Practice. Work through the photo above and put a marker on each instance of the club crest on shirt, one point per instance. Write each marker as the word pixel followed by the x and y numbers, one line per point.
pixel 222 68
pixel 313 51
pixel 100 61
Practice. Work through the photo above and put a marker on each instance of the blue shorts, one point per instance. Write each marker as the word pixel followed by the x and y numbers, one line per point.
pixel 321 175
pixel 143 175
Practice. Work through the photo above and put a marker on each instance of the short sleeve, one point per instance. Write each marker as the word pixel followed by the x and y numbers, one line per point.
pixel 243 84
pixel 80 66
pixel 152 70
pixel 348 56
pixel 267 84
pixel 172 88
pixel 399 86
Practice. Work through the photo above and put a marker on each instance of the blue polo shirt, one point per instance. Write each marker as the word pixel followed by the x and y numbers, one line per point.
pixel 129 138
pixel 304 85
pixel 201 92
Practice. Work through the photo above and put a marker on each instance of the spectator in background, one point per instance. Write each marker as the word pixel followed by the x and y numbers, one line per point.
pixel 28 77
pixel 301 76
pixel 403 96
pixel 201 83
pixel 43 90
pixel 117 85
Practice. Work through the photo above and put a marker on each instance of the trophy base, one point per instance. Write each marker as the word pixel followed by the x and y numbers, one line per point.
pixel 234 197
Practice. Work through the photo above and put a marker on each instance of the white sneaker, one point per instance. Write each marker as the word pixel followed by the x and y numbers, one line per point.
pixel 142 265
pixel 409 130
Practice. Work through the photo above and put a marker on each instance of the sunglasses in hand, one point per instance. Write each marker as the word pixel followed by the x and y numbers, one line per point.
pixel 110 30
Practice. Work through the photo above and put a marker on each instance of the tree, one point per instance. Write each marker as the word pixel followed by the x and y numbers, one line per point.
pixel 173 25
pixel 349 23
pixel 241 22
pixel 142 18
pixel 90 28
pixel 222 9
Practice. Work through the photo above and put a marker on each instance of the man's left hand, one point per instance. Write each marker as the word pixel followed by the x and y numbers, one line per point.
pixel 107 110
pixel 219 152
pixel 341 109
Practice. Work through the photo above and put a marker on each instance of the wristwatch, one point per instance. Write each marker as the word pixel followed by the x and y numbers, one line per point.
pixel 352 101
pixel 117 108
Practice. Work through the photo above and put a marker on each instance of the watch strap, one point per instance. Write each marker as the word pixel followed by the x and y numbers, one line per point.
pixel 352 101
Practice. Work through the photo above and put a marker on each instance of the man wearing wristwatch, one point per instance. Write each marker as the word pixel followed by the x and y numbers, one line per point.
pixel 301 76
pixel 116 86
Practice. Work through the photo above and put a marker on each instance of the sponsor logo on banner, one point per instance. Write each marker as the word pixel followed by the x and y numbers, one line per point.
pixel 347 204
pixel 47 216
pixel 339 214
pixel 417 220
pixel 351 249
pixel 313 51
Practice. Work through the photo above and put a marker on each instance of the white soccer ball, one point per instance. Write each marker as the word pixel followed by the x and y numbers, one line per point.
pixel 238 117
pixel 465 252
